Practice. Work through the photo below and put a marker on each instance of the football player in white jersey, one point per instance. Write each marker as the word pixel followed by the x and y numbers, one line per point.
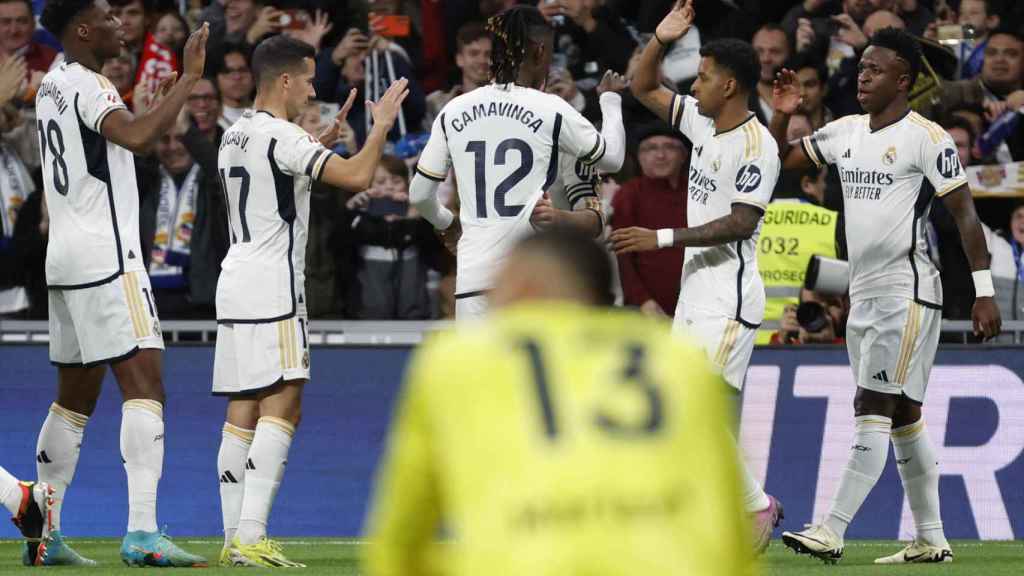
pixel 733 170
pixel 505 141
pixel 100 303
pixel 892 162
pixel 267 165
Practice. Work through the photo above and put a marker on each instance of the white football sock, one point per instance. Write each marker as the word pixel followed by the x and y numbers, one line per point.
pixel 867 460
pixel 919 470
pixel 234 448
pixel 754 498
pixel 10 492
pixel 60 441
pixel 142 449
pixel 264 470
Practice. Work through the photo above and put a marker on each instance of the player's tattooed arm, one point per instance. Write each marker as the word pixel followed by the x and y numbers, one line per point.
pixel 786 101
pixel 140 133
pixel 645 85
pixel 740 224
pixel 985 313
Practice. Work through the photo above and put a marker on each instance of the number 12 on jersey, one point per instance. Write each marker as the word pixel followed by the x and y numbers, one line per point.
pixel 478 148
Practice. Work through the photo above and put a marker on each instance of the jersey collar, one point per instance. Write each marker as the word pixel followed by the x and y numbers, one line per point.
pixel 896 121
pixel 736 127
pixel 265 112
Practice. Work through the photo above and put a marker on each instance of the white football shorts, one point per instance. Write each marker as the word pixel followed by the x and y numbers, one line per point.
pixel 251 357
pixel 103 324
pixel 727 342
pixel 892 343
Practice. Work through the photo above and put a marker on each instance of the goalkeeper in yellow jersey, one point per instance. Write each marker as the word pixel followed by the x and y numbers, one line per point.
pixel 560 437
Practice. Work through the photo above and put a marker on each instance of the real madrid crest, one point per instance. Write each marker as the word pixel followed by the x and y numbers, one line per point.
pixel 889 158
pixel 716 164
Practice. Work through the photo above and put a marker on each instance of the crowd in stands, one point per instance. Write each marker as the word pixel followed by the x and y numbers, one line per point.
pixel 371 257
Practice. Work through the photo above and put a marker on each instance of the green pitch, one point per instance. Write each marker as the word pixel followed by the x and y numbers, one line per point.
pixel 339 557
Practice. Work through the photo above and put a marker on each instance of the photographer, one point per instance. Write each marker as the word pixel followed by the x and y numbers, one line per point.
pixel 818 319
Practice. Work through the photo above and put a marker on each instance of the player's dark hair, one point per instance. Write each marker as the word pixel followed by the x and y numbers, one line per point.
pixel 738 57
pixel 277 55
pixel 57 14
pixel 804 60
pixel 580 254
pixel 470 32
pixel 512 31
pixel 904 45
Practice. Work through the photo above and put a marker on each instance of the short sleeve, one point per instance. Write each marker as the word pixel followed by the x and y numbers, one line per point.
pixel 683 113
pixel 579 138
pixel 97 98
pixel 435 160
pixel 758 170
pixel 821 146
pixel 299 154
pixel 579 180
pixel 940 161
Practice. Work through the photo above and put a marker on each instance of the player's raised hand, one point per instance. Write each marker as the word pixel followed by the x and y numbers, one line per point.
pixel 786 97
pixel 332 133
pixel 986 318
pixel 612 82
pixel 386 110
pixel 676 23
pixel 195 51
pixel 633 239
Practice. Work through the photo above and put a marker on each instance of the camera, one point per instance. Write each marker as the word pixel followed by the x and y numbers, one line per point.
pixel 812 316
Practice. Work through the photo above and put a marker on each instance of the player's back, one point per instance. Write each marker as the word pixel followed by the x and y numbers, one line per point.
pixel 571 440
pixel 504 146
pixel 266 168
pixel 90 187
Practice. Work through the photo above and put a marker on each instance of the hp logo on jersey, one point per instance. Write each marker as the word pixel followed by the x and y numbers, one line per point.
pixel 748 179
pixel 948 163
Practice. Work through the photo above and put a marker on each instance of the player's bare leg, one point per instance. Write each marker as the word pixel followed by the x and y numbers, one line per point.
pixel 280 411
pixel 919 471
pixel 142 450
pixel 236 439
pixel 874 412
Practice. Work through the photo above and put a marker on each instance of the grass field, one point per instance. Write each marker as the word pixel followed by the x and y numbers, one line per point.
pixel 339 557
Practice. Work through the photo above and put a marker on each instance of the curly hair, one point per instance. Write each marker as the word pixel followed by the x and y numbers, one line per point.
pixel 512 31
pixel 59 13
pixel 904 45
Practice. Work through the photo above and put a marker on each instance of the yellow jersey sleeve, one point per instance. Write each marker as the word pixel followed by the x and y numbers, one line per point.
pixel 405 511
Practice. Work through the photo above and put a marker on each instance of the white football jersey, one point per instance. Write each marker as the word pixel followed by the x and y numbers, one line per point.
pixel 889 178
pixel 90 187
pixel 267 166
pixel 504 143
pixel 739 166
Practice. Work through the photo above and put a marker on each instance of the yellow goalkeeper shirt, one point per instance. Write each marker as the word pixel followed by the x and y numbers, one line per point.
pixel 564 440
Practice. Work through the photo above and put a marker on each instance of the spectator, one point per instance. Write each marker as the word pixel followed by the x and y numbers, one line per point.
pixel 964 134
pixel 16 26
pixel 655 199
pixel 171 30
pixel 235 84
pixel 818 27
pixel 120 70
pixel 813 78
pixel 393 248
pixel 818 319
pixel 473 59
pixel 344 68
pixel 983 18
pixel 842 87
pixel 997 91
pixel 133 15
pixel 1008 268
pixel 772 46
pixel 916 15
pixel 204 109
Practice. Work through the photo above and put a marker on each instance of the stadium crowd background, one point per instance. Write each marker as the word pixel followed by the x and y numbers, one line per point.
pixel 371 257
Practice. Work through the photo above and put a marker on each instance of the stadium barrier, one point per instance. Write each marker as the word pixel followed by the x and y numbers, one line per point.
pixel 797 424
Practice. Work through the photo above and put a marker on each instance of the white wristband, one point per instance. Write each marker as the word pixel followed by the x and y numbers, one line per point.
pixel 983 287
pixel 666 237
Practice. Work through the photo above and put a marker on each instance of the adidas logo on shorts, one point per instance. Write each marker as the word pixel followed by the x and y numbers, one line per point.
pixel 881 377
